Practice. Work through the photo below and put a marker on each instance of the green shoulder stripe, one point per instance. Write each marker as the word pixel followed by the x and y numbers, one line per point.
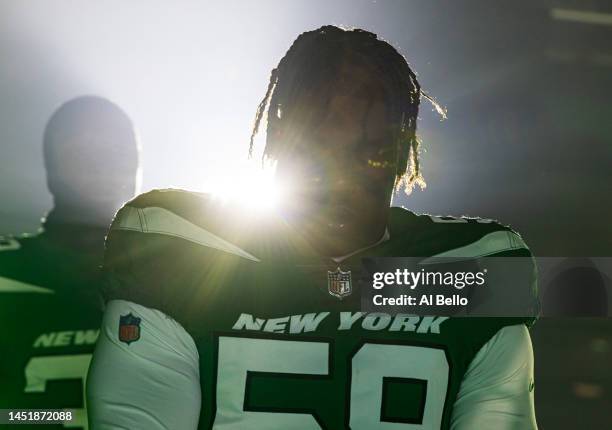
pixel 489 244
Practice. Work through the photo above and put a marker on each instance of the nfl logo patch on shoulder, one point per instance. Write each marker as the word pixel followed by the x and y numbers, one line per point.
pixel 129 328
pixel 339 283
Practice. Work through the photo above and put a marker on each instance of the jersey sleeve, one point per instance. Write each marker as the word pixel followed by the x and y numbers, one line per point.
pixel 144 374
pixel 166 249
pixel 497 389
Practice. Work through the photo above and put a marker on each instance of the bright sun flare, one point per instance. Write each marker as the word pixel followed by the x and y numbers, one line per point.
pixel 251 186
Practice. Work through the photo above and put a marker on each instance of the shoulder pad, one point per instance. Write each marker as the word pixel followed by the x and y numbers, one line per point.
pixel 447 219
pixel 169 197
pixel 457 237
pixel 512 282
pixel 484 237
pixel 8 243
pixel 495 242
pixel 180 214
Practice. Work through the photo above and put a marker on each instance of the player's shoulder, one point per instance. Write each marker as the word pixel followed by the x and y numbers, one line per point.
pixel 454 236
pixel 172 210
pixel 9 243
pixel 11 255
pixel 21 245
pixel 187 216
pixel 447 239
pixel 405 219
pixel 163 243
pixel 18 255
pixel 167 197
pixel 185 204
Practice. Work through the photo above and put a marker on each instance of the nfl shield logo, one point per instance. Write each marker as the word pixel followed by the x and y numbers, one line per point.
pixel 129 328
pixel 339 283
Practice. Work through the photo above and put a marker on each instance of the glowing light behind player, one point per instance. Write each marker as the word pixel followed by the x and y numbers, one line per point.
pixel 250 185
pixel 194 112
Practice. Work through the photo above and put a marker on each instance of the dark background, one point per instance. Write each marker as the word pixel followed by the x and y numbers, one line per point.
pixel 528 139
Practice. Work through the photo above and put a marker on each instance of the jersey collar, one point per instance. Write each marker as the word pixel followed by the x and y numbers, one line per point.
pixel 385 237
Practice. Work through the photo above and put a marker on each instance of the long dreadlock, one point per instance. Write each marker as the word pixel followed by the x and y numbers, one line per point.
pixel 311 64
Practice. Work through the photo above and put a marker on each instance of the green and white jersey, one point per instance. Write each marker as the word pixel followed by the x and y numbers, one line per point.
pixel 49 318
pixel 275 349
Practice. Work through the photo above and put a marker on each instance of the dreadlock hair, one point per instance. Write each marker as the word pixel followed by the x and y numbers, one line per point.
pixel 311 64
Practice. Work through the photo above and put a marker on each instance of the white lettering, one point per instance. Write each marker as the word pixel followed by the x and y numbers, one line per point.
pixel 347 319
pixel 426 300
pixel 247 322
pixel 306 323
pixel 376 321
pixel 404 322
pixel 88 337
pixel 63 338
pixel 276 325
pixel 431 324
pixel 44 340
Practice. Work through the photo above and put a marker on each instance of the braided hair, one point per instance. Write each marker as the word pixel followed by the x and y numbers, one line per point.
pixel 311 64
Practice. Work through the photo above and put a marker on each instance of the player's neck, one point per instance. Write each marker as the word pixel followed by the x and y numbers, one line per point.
pixel 383 238
pixel 342 247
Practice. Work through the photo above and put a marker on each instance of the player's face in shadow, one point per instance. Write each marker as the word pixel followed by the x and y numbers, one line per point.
pixel 94 171
pixel 343 166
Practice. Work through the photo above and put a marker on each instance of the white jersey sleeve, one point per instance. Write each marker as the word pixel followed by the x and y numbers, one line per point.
pixel 497 389
pixel 150 383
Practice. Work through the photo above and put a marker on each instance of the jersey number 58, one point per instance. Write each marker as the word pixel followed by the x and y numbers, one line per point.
pixel 370 365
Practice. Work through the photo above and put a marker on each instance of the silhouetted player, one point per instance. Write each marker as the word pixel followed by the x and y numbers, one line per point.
pixel 221 318
pixel 48 282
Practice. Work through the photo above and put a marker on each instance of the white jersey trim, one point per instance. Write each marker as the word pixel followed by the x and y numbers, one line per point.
pixel 9 244
pixel 161 221
pixel 12 286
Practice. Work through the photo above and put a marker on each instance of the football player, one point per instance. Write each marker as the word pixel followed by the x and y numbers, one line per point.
pixel 223 318
pixel 49 314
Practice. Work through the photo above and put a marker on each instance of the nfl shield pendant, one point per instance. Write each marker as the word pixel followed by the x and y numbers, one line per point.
pixel 339 283
pixel 129 328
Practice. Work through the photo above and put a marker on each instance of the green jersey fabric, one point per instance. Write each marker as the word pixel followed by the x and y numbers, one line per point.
pixel 274 345
pixel 49 317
